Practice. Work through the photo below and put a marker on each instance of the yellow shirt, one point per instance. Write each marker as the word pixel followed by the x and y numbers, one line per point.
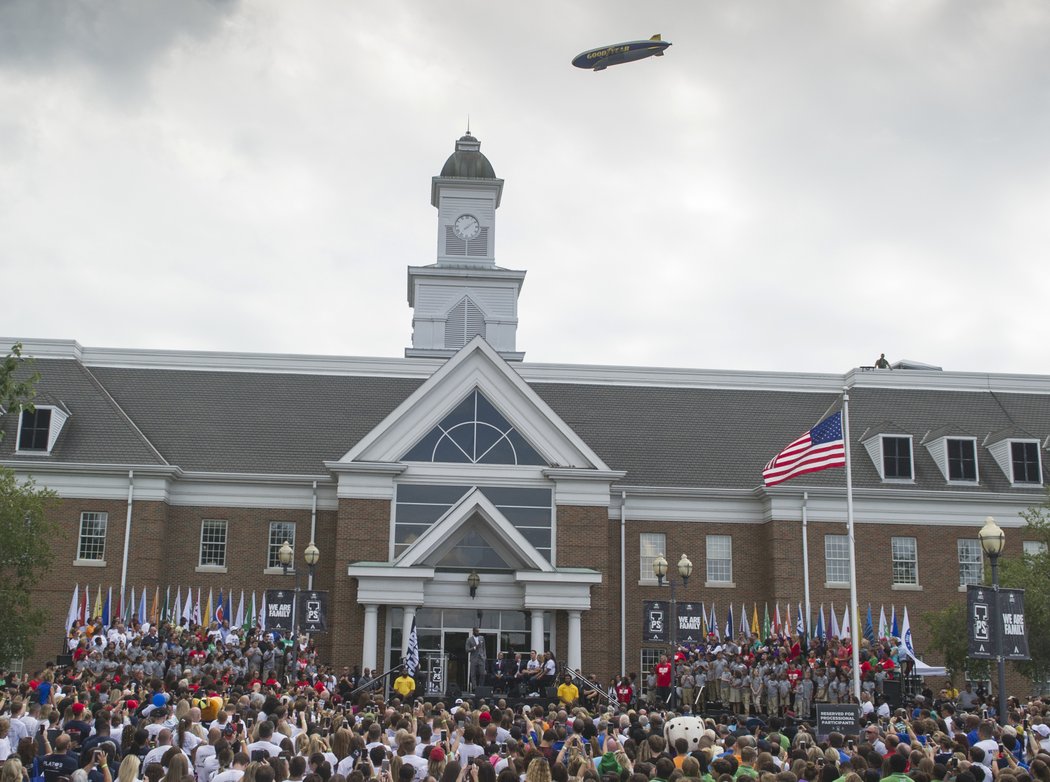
pixel 404 685
pixel 568 693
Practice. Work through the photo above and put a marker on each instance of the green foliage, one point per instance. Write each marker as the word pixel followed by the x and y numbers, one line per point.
pixel 947 634
pixel 25 555
pixel 1031 572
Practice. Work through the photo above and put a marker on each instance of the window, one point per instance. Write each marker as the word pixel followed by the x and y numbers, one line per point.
pixel 896 458
pixel 836 559
pixel 1033 548
pixel 719 559
pixel 971 563
pixel 213 543
pixel 650 657
pixel 475 432
pixel 92 544
pixel 35 429
pixel 962 460
pixel 651 545
pixel 1024 456
pixel 905 561
pixel 280 531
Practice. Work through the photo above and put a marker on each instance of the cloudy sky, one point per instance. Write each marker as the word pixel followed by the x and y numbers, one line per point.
pixel 796 185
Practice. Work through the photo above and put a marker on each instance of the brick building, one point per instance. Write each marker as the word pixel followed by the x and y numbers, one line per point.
pixel 556 484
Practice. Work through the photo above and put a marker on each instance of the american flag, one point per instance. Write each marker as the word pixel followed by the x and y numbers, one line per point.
pixel 818 449
pixel 412 655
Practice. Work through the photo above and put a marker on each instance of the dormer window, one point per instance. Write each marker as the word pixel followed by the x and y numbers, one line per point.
pixel 891 453
pixel 955 456
pixel 1024 462
pixel 38 429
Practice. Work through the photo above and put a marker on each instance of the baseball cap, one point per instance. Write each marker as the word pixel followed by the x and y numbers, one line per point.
pixel 78 708
pixel 437 753
pixel 1042 730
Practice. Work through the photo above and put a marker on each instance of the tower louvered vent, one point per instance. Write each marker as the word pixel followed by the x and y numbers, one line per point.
pixel 465 321
pixel 478 247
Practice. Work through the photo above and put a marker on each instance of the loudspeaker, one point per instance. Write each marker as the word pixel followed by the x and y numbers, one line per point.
pixel 482 691
pixel 552 692
pixel 891 691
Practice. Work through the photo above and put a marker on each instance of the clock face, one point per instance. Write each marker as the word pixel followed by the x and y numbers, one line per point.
pixel 466 227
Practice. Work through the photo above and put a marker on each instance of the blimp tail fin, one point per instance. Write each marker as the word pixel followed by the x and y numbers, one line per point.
pixel 655 37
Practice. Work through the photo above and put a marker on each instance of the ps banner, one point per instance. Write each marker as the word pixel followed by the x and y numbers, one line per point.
pixel 279 606
pixel 982 614
pixel 313 611
pixel 656 619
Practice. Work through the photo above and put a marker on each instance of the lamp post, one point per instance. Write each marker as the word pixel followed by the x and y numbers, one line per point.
pixel 685 569
pixel 993 540
pixel 286 555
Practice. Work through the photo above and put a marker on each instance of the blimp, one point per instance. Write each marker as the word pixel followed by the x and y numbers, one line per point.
pixel 601 58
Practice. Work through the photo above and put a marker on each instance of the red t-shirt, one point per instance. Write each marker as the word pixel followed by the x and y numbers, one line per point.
pixel 623 693
pixel 663 675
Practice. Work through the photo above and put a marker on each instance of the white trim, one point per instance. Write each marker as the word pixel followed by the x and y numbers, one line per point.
pixel 938 449
pixel 56 421
pixel 877 452
pixel 210 569
pixel 479 366
pixel 89 563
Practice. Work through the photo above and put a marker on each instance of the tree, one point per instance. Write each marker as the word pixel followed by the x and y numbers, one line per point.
pixel 947 634
pixel 25 530
pixel 1031 572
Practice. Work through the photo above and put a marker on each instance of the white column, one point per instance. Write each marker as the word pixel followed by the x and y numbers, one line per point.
pixel 406 628
pixel 368 651
pixel 537 632
pixel 573 653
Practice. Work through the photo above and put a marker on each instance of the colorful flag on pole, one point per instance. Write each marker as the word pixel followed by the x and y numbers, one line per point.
pixel 106 608
pixel 755 627
pixel 238 620
pixel 884 628
pixel 165 614
pixel 788 627
pixel 800 623
pixel 250 616
pixel 713 624
pixel 703 618
pixel 894 629
pixel 834 629
pixel 220 609
pixel 766 626
pixel 818 449
pixel 209 612
pixel 97 611
pixel 778 628
pixel 85 602
pixel 869 627
pixel 729 623
pixel 129 610
pixel 820 623
pixel 142 607
pixel 906 635
pixel 260 619
pixel 412 655
pixel 845 630
pixel 74 604
pixel 154 614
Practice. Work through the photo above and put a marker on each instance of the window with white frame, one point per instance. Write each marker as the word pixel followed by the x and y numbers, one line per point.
pixel 650 546
pixel 719 559
pixel 896 458
pixel 1033 548
pixel 34 429
pixel 905 561
pixel 1024 457
pixel 92 543
pixel 836 559
pixel 213 543
pixel 280 531
pixel 650 657
pixel 971 562
pixel 962 459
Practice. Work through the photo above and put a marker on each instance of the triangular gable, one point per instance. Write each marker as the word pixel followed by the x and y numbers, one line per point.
pixel 429 547
pixel 476 365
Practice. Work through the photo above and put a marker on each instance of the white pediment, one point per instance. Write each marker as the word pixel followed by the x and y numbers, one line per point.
pixel 476 366
pixel 474 510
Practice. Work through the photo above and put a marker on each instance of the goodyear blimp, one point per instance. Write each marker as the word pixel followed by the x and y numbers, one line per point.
pixel 601 58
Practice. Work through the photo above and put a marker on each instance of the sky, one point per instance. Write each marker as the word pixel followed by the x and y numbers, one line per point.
pixel 797 185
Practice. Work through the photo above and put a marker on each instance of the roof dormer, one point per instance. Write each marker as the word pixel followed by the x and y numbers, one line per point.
pixel 890 451
pixel 39 428
pixel 955 454
pixel 1019 456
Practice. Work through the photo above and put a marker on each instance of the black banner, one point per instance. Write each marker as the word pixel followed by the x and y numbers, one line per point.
pixel 690 623
pixel 279 605
pixel 1015 634
pixel 841 718
pixel 982 614
pixel 656 620
pixel 313 611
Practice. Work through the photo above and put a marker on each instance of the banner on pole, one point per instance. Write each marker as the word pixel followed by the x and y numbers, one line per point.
pixel 656 619
pixel 279 605
pixel 313 611
pixel 690 623
pixel 982 613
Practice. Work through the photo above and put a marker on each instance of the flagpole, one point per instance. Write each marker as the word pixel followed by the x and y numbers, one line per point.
pixel 852 547
pixel 805 562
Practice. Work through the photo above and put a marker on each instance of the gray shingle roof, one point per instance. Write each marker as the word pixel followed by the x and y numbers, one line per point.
pixel 686 437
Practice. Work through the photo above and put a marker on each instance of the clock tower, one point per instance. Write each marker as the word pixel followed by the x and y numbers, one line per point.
pixel 464 293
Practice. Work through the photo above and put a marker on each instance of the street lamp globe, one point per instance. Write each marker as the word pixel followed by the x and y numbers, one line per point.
pixel 285 554
pixel 685 568
pixel 992 538
pixel 312 554
pixel 660 567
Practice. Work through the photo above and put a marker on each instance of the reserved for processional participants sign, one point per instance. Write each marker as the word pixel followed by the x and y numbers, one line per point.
pixel 982 615
pixel 841 718
pixel 656 619
pixel 279 606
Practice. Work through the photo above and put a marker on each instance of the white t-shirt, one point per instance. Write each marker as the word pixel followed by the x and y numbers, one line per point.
pixel 205 752
pixel 468 752
pixel 418 763
pixel 232 775
pixel 272 749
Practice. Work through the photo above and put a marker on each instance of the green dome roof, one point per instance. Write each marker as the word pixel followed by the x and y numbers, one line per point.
pixel 467 162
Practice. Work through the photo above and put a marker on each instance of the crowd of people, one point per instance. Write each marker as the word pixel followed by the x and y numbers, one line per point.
pixel 212 705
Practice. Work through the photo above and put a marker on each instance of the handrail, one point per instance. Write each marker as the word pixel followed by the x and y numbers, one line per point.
pixel 371 683
pixel 587 682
